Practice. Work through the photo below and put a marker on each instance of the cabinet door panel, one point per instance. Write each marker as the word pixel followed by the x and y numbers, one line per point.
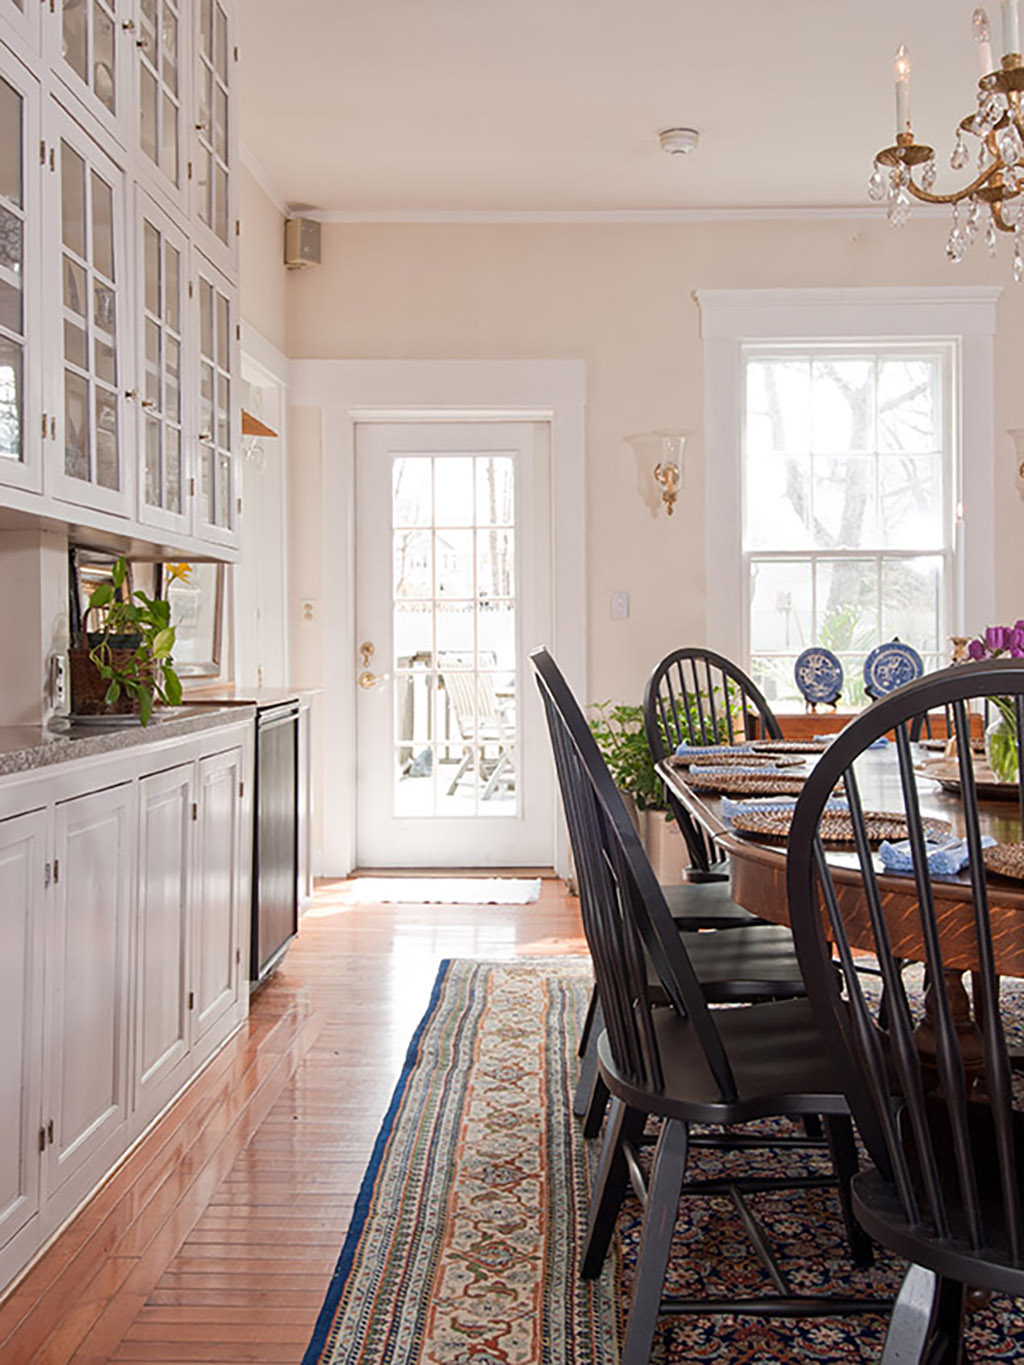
pixel 91 338
pixel 217 410
pixel 161 96
pixel 213 107
pixel 161 305
pixel 89 45
pixel 161 984
pixel 216 966
pixel 22 18
pixel 20 277
pixel 21 888
pixel 87 987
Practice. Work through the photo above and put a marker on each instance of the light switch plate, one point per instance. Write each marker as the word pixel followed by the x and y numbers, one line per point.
pixel 620 606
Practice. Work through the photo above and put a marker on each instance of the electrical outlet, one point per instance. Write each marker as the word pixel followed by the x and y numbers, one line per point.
pixel 308 610
pixel 58 680
pixel 620 606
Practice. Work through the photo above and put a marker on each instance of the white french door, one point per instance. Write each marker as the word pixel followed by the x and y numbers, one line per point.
pixel 453 587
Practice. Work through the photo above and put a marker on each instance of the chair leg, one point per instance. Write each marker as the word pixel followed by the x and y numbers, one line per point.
pixel 467 759
pixel 587 1053
pixel 596 1105
pixel 624 1125
pixel 656 1242
pixel 843 1148
pixel 925 1327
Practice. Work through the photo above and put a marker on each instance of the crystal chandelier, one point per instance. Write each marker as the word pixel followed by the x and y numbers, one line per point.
pixel 998 127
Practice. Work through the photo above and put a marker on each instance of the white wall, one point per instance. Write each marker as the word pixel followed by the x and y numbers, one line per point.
pixel 620 298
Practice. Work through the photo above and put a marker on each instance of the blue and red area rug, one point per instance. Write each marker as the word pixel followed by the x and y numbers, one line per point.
pixel 465 1238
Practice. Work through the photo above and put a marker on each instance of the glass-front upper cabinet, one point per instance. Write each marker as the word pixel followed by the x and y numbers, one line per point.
pixel 159 43
pixel 213 107
pixel 219 423
pixel 20 270
pixel 90 45
pixel 162 257
pixel 23 17
pixel 90 348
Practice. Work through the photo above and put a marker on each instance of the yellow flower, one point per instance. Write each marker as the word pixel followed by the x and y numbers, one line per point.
pixel 179 571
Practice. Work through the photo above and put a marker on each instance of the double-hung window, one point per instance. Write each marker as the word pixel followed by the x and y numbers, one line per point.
pixel 849 476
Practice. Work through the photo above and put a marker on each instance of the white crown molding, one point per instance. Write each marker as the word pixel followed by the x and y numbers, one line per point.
pixel 259 173
pixel 895 310
pixel 702 215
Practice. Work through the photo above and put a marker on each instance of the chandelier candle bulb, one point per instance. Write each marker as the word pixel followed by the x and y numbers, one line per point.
pixel 901 70
pixel 1011 26
pixel 983 40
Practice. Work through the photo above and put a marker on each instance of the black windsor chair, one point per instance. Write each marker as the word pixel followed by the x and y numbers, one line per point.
pixel 945 1134
pixel 680 1061
pixel 696 696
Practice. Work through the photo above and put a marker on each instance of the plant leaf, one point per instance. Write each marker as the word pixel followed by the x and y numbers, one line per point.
pixel 172 686
pixel 101 595
pixel 119 571
pixel 113 693
pixel 163 643
pixel 145 705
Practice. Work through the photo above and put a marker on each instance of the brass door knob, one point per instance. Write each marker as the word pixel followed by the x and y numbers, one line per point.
pixel 366 679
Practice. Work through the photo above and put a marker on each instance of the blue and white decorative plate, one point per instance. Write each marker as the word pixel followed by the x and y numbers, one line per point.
pixel 819 675
pixel 890 666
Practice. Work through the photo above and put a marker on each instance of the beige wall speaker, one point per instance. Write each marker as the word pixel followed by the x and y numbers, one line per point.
pixel 301 243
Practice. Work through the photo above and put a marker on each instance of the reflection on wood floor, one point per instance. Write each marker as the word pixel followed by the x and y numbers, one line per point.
pixel 215 1241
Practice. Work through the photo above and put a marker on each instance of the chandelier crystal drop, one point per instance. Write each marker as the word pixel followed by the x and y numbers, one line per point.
pixel 995 127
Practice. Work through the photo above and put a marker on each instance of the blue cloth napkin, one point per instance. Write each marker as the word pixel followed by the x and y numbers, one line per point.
pixel 944 859
pixel 880 743
pixel 770 805
pixel 706 769
pixel 686 750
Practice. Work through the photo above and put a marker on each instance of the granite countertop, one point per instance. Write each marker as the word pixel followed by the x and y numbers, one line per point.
pixel 241 694
pixel 24 748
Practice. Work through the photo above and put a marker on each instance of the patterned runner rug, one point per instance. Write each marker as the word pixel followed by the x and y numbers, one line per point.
pixel 465 1238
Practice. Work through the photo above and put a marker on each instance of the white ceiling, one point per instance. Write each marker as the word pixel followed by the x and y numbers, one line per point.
pixel 405 107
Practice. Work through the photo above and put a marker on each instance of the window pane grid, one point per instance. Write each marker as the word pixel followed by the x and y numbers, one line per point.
pixel 847 491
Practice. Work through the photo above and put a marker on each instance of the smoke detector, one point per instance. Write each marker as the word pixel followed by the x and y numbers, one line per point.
pixel 678 141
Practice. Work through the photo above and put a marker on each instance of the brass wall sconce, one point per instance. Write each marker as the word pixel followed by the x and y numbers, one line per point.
pixel 666 449
pixel 1017 437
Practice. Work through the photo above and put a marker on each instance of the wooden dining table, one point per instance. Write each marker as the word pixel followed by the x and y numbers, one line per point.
pixel 757 875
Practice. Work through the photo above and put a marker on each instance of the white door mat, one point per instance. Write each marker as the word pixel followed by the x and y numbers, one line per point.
pixel 443 890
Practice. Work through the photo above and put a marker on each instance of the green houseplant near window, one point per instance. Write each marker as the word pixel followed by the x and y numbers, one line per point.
pixel 132 650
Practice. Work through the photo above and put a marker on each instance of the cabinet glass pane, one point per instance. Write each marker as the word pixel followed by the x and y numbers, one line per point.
pixel 206 318
pixel 206 484
pixel 10 306
pixel 72 190
pixel 173 470
pixel 153 462
pixel 11 399
pixel 104 79
pixel 104 318
pixel 10 241
pixel 152 385
pixel 220 44
pixel 169 159
pixel 76 346
pixel 223 490
pixel 149 97
pixel 223 333
pixel 172 264
pixel 172 382
pixel 220 124
pixel 206 404
pixel 169 49
pixel 107 475
pixel 74 287
pixel 102 227
pixel 76 426
pixel 75 43
pixel 10 143
pixel 220 210
pixel 151 253
pixel 224 412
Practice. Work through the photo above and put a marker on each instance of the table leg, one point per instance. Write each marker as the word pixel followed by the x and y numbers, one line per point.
pixel 968 1033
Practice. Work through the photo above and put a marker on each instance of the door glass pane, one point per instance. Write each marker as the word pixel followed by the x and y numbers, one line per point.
pixel 73 35
pixel 76 426
pixel 10 399
pixel 454 635
pixel 72 199
pixel 104 80
pixel 10 143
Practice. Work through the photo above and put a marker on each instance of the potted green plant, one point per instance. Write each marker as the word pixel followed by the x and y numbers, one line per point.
pixel 125 666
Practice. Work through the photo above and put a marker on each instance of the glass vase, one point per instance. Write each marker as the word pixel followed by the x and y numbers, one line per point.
pixel 1001 747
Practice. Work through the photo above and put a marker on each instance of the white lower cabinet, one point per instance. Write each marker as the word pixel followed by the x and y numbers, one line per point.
pixel 85 1064
pixel 162 942
pixel 124 899
pixel 22 855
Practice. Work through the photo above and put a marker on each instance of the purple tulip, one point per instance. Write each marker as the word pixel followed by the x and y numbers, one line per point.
pixel 995 637
pixel 976 650
pixel 1017 635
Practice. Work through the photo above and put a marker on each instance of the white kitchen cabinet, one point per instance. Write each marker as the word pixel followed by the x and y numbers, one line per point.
pixel 162 326
pixel 213 187
pixel 85 1066
pixel 21 349
pixel 166 806
pixel 22 842
pixel 90 321
pixel 89 46
pixel 218 417
pixel 218 977
pixel 161 97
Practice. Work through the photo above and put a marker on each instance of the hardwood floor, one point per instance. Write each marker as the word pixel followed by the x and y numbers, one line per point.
pixel 215 1241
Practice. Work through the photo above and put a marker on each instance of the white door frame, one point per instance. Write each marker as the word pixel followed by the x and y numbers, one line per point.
pixel 351 391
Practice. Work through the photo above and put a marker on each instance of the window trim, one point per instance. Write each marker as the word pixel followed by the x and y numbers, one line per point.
pixel 733 318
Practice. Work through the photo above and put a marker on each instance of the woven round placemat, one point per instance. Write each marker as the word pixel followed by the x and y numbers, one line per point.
pixel 1005 860
pixel 745 784
pixel 790 746
pixel 836 826
pixel 696 760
